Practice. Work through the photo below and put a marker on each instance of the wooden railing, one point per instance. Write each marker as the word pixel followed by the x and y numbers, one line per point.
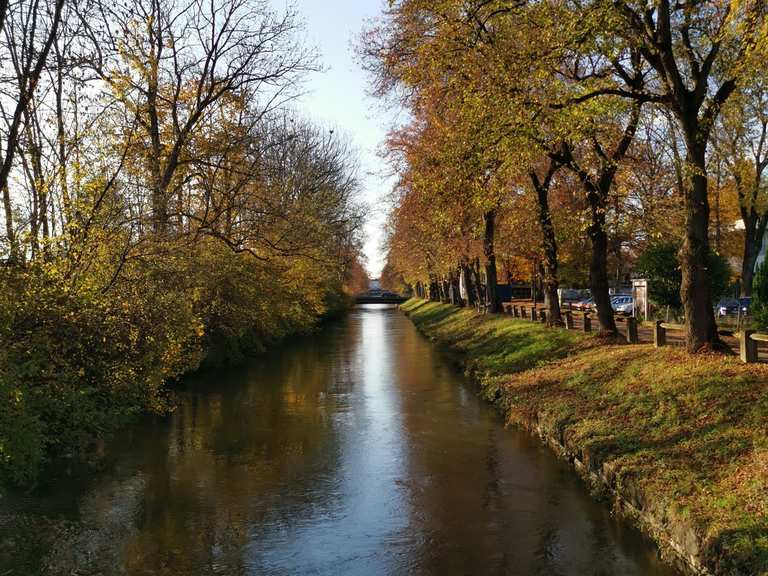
pixel 748 339
pixel 660 332
pixel 539 314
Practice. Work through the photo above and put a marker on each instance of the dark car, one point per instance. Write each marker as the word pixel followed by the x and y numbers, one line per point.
pixel 571 296
pixel 745 304
pixel 732 306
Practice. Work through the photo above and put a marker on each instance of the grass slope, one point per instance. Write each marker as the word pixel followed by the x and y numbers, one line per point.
pixel 688 433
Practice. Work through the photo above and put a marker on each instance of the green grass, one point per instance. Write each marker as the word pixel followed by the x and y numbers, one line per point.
pixel 690 433
pixel 492 346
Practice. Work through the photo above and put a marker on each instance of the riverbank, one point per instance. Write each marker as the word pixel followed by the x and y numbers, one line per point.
pixel 677 442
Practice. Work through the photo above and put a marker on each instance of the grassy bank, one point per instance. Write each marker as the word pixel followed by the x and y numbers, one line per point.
pixel 682 439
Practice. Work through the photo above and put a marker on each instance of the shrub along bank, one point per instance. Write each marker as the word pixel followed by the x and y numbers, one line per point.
pixel 679 441
pixel 77 363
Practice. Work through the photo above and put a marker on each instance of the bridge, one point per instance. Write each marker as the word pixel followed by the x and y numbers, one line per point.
pixel 379 297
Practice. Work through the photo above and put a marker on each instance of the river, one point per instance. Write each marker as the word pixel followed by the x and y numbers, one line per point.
pixel 357 450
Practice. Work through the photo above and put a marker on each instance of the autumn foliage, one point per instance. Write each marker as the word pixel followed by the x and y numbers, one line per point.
pixel 552 142
pixel 163 209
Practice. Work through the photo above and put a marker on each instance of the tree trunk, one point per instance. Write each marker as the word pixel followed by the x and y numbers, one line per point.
pixel 491 288
pixel 455 289
pixel 434 291
pixel 478 284
pixel 718 224
pixel 466 278
pixel 445 287
pixel 549 243
pixel 754 232
pixel 750 255
pixel 598 189
pixel 695 290
pixel 61 139
pixel 598 273
pixel 10 233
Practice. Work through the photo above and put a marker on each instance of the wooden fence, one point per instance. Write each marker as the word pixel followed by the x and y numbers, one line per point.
pixel 748 339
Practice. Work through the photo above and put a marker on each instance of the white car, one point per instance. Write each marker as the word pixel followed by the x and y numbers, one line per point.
pixel 623 304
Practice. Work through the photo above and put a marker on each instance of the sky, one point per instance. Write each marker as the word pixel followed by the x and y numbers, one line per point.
pixel 337 98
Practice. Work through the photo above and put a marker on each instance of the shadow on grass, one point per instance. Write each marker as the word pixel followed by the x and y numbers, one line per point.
pixel 494 345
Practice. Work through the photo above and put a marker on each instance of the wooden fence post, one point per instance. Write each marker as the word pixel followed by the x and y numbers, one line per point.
pixel 659 334
pixel 523 315
pixel 747 347
pixel 632 337
pixel 568 320
pixel 534 314
pixel 587 322
pixel 543 316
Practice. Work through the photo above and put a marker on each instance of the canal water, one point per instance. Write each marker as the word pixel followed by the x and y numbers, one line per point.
pixel 358 450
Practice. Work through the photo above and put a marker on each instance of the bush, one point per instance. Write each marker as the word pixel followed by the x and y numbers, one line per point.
pixel 78 364
pixel 659 264
pixel 78 361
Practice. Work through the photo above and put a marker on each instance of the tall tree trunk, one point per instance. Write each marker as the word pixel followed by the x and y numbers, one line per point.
pixel 696 290
pixel 478 283
pixel 598 190
pixel 10 233
pixel 155 160
pixel 491 289
pixel 598 270
pixel 549 242
pixel 718 224
pixel 61 138
pixel 754 232
pixel 445 295
pixel 455 291
pixel 34 170
pixel 466 278
pixel 434 290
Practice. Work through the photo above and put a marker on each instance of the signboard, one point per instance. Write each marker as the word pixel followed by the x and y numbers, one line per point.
pixel 640 295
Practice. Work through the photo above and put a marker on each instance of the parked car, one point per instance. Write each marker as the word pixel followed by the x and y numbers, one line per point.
pixel 745 304
pixel 623 304
pixel 571 296
pixel 730 306
pixel 584 305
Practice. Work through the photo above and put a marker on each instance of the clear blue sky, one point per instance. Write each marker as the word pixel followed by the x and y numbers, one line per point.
pixel 337 97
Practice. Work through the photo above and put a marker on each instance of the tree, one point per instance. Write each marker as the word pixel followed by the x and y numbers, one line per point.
pixel 741 144
pixel 699 51
pixel 174 65
pixel 29 30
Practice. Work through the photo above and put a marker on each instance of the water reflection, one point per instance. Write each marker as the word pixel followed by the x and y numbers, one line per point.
pixel 356 451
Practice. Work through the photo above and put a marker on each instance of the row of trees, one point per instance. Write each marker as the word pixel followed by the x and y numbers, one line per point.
pixel 161 207
pixel 560 138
